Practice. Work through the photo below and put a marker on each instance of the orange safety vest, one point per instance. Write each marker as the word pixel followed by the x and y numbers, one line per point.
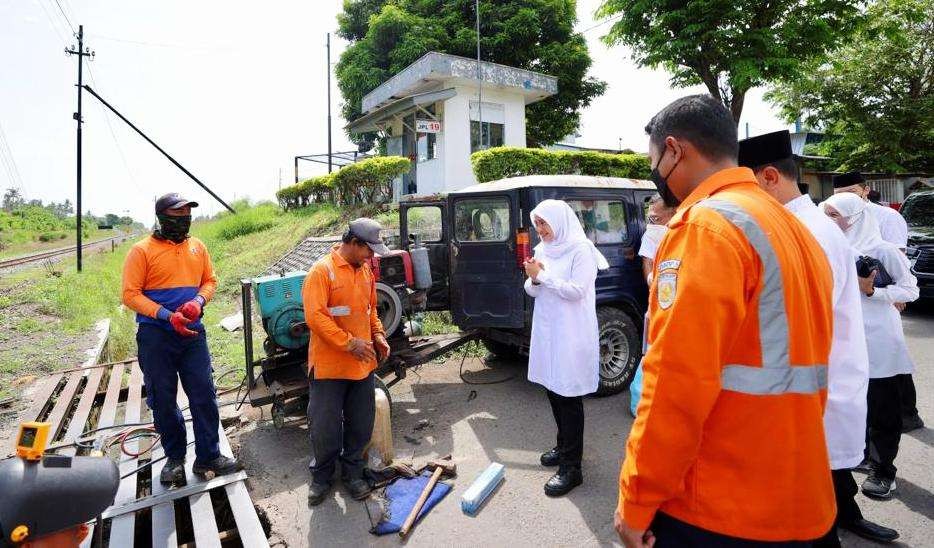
pixel 729 433
pixel 340 303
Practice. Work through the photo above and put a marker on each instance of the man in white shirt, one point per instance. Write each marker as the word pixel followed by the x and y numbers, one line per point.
pixel 770 157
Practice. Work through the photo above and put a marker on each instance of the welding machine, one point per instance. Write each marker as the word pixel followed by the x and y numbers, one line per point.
pixel 279 298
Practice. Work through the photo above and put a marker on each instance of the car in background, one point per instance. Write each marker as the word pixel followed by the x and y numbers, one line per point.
pixel 918 211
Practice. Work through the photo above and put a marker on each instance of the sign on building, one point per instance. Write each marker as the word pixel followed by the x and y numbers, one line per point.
pixel 427 126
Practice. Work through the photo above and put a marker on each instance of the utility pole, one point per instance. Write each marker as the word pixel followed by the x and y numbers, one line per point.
pixel 479 78
pixel 81 52
pixel 330 164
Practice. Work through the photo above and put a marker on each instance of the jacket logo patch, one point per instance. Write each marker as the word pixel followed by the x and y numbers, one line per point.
pixel 666 289
pixel 669 264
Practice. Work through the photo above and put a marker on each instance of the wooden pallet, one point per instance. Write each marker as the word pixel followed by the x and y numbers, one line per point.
pixel 203 513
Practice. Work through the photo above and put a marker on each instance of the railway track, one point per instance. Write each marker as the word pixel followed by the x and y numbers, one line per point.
pixel 43 255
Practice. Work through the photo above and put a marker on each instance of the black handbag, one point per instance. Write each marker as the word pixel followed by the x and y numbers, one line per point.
pixel 864 267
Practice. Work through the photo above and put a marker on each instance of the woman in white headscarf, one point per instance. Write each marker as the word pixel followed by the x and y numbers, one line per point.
pixel 888 352
pixel 564 353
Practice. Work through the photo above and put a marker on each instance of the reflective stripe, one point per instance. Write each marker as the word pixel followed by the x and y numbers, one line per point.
pixel 776 376
pixel 339 310
pixel 330 271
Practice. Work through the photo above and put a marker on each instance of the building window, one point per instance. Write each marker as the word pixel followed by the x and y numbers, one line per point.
pixel 492 136
pixel 604 221
pixel 426 145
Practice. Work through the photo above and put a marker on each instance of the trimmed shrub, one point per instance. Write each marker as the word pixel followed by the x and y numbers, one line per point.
pixel 502 162
pixel 367 181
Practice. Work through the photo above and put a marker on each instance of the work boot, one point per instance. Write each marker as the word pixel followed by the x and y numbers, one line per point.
pixel 865 467
pixel 550 457
pixel 910 424
pixel 870 530
pixel 878 487
pixel 220 466
pixel 567 478
pixel 358 489
pixel 317 492
pixel 173 472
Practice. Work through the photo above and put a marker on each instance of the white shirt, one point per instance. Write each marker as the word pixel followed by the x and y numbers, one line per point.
pixel 892 225
pixel 848 367
pixel 564 352
pixel 650 239
pixel 885 337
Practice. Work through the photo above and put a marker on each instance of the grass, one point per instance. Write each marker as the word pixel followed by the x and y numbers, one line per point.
pixel 240 247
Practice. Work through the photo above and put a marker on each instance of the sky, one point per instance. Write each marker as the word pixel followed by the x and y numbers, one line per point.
pixel 233 90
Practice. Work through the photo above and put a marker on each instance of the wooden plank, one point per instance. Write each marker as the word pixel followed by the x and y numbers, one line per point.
pixel 202 509
pixel 63 404
pixel 76 426
pixel 109 407
pixel 122 528
pixel 163 515
pixel 248 525
pixel 40 396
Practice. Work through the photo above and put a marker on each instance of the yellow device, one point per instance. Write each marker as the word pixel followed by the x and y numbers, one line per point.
pixel 32 440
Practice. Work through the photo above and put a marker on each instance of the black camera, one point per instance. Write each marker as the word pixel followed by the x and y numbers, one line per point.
pixel 864 267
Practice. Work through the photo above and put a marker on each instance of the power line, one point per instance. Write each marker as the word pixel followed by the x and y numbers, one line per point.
pixel 114 135
pixel 51 20
pixel 67 20
pixel 7 152
pixel 601 23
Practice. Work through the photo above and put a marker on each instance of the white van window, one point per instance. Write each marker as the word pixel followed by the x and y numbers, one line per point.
pixel 481 219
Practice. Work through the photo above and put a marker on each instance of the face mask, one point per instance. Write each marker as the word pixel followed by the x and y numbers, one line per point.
pixel 173 228
pixel 661 183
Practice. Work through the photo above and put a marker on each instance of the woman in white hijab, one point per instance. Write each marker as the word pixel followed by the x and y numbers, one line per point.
pixel 564 353
pixel 888 352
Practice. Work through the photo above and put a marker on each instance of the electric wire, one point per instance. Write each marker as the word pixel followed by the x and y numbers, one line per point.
pixel 67 20
pixel 601 23
pixel 10 162
pixel 51 20
pixel 113 135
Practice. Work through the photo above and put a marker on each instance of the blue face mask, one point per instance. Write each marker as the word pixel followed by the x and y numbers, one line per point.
pixel 661 183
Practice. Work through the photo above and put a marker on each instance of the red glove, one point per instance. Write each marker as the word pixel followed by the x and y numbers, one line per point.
pixel 191 309
pixel 180 324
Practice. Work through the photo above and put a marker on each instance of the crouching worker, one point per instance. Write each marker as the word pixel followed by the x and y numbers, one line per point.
pixel 167 280
pixel 347 339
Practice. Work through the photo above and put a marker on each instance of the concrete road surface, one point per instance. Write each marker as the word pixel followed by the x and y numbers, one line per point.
pixel 511 423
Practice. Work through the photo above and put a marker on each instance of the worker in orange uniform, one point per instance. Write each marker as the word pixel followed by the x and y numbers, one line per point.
pixel 347 339
pixel 167 280
pixel 728 448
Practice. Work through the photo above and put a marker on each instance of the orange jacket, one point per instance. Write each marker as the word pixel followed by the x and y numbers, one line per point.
pixel 340 303
pixel 160 273
pixel 728 434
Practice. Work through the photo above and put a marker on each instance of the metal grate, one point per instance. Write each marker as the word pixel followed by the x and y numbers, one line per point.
pixel 304 255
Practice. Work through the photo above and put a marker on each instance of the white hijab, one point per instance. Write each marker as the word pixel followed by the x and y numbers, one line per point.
pixel 567 230
pixel 862 229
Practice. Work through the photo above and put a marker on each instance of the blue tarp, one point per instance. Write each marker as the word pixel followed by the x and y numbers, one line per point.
pixel 401 496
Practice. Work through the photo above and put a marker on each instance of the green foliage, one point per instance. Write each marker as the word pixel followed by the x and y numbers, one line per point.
pixel 388 35
pixel 367 181
pixel 247 220
pixel 501 162
pixel 873 98
pixel 729 46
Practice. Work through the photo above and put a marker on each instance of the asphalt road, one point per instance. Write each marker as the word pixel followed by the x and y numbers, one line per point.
pixel 511 423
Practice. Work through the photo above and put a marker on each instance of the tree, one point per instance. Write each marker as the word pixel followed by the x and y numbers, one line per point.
pixel 729 46
pixel 12 200
pixel 388 35
pixel 873 98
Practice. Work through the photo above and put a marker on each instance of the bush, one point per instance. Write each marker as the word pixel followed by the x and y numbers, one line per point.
pixel 247 221
pixel 367 181
pixel 502 162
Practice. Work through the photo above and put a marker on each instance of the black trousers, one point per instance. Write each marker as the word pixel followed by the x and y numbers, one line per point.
pixel 884 424
pixel 909 396
pixel 674 533
pixel 340 424
pixel 569 416
pixel 844 490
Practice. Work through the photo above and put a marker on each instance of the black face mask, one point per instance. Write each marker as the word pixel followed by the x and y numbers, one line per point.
pixel 661 183
pixel 173 228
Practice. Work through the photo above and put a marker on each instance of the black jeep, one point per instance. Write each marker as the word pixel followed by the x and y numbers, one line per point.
pixel 918 211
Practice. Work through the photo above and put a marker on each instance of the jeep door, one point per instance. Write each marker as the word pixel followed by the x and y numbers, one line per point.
pixel 427 220
pixel 486 281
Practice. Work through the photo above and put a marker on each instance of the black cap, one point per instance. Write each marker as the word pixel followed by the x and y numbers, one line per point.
pixel 172 201
pixel 765 149
pixel 848 179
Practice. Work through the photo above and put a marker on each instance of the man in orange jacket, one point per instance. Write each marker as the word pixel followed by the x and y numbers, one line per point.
pixel 735 379
pixel 347 338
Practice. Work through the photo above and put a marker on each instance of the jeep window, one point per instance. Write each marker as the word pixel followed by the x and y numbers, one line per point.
pixel 481 219
pixel 425 222
pixel 919 211
pixel 604 221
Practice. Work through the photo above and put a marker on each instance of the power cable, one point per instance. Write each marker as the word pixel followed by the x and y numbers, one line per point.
pixel 67 20
pixel 51 21
pixel 601 23
pixel 7 153
pixel 114 136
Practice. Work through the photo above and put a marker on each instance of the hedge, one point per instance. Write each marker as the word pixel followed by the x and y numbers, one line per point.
pixel 366 181
pixel 501 162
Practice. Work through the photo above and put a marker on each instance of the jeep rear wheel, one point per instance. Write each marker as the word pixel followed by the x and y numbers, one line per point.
pixel 620 349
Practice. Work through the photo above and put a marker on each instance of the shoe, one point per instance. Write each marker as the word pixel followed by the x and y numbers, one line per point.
pixel 173 472
pixel 878 487
pixel 550 458
pixel 219 466
pixel 865 467
pixel 317 492
pixel 358 489
pixel 870 530
pixel 564 481
pixel 910 424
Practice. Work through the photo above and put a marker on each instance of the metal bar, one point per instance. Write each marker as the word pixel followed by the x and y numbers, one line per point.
pixel 172 494
pixel 63 404
pixel 122 529
pixel 76 426
pixel 246 302
pixel 164 153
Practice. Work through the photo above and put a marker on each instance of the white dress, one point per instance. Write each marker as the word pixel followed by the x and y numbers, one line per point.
pixel 892 225
pixel 848 367
pixel 885 338
pixel 564 352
